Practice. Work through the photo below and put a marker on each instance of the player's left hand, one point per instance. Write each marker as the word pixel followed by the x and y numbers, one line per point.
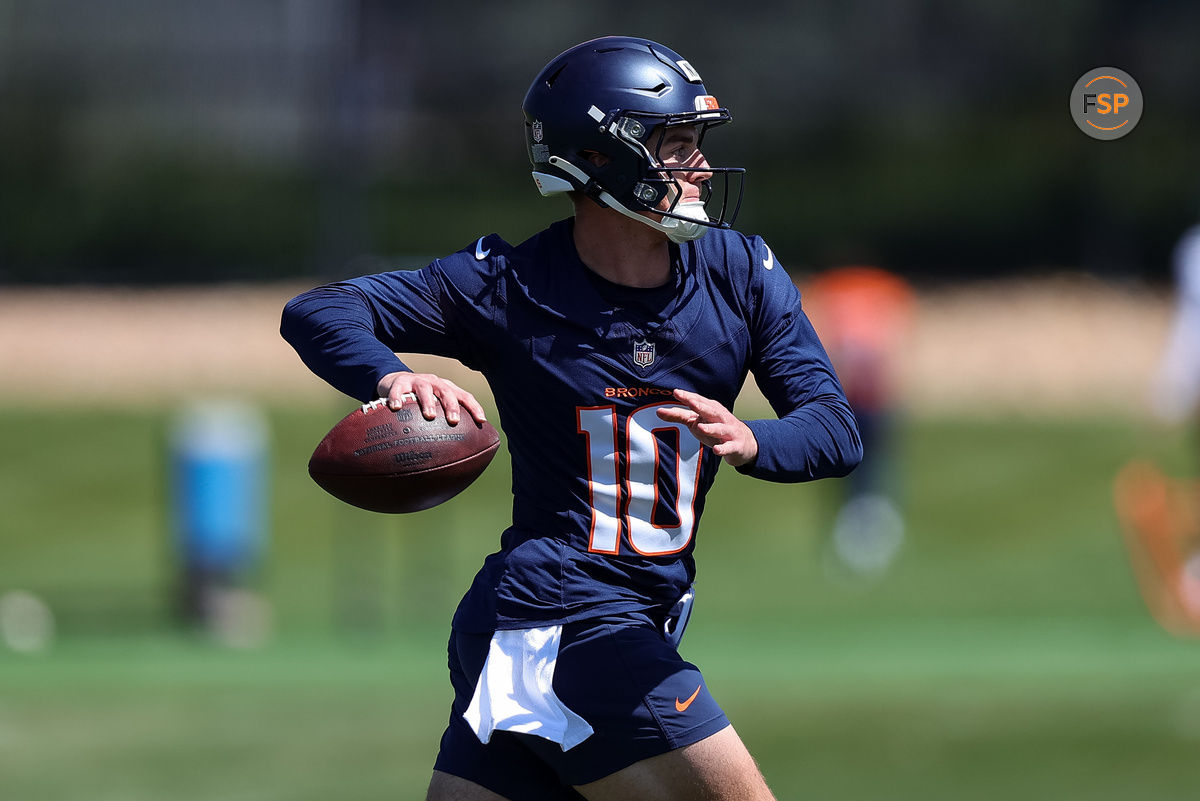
pixel 715 426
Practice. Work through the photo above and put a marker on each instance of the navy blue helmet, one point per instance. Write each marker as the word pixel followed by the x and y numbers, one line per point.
pixel 617 96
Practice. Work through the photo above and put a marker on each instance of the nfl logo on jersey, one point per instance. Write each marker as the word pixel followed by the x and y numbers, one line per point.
pixel 643 353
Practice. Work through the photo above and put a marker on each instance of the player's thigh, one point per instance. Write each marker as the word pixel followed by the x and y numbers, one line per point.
pixel 445 787
pixel 717 768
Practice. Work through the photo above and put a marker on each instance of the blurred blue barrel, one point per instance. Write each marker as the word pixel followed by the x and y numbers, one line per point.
pixel 218 458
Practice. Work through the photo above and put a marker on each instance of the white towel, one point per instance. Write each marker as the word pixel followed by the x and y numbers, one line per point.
pixel 516 690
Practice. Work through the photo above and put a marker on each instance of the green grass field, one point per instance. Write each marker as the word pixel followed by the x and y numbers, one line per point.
pixel 1006 656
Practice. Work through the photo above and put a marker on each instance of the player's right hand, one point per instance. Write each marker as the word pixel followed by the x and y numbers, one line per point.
pixel 714 425
pixel 432 392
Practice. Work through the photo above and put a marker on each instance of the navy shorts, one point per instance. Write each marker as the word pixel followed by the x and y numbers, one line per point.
pixel 618 673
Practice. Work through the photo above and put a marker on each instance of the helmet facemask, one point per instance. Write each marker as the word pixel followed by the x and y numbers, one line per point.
pixel 635 179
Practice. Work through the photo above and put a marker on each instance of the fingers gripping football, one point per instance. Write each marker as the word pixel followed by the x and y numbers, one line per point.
pixel 432 392
pixel 715 426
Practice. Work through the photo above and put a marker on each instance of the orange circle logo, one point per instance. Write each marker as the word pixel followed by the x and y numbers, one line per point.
pixel 1106 103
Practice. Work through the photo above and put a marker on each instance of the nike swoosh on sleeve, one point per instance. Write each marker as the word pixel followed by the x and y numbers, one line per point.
pixel 769 261
pixel 480 253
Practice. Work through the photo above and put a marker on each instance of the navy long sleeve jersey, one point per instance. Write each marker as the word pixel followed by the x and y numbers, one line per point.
pixel 607 497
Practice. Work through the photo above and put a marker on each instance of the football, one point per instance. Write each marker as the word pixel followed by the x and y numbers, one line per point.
pixel 397 461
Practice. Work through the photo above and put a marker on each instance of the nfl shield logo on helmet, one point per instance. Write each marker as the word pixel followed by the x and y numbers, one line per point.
pixel 643 353
pixel 537 131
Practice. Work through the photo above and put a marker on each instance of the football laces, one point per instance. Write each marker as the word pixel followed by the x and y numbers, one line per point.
pixel 375 404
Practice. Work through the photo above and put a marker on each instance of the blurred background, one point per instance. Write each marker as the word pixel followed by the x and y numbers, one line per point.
pixel 149 142
pixel 986 611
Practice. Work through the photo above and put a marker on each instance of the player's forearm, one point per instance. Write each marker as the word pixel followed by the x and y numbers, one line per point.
pixel 818 440
pixel 332 330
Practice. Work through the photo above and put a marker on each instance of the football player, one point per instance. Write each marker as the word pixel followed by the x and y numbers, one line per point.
pixel 615 342
pixel 863 315
pixel 1160 514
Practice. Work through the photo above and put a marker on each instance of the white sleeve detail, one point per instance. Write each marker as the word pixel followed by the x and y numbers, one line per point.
pixel 1177 384
pixel 515 692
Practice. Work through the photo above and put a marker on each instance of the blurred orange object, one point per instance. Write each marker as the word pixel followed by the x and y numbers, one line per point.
pixel 862 315
pixel 1160 518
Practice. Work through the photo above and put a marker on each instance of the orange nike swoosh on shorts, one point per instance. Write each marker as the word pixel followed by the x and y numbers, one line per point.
pixel 681 706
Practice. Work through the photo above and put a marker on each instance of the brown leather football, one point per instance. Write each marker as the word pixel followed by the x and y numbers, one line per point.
pixel 397 461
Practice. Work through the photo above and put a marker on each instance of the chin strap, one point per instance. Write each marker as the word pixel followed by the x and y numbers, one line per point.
pixel 677 230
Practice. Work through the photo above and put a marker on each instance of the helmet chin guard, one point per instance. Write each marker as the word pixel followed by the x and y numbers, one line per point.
pixel 688 222
pixel 616 97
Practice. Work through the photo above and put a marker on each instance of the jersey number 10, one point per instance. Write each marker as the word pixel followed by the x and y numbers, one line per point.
pixel 630 504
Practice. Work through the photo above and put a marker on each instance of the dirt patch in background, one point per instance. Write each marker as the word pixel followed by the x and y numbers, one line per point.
pixel 1069 345
pixel 1061 345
